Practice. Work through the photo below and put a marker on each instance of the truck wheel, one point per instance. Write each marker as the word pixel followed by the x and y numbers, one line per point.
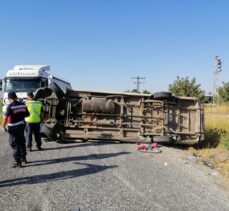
pixel 58 91
pixel 84 140
pixel 49 133
pixel 163 95
pixel 161 139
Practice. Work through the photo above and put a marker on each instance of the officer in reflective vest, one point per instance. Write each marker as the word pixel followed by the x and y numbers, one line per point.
pixel 14 118
pixel 33 121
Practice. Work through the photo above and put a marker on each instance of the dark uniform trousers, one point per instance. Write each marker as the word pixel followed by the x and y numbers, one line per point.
pixel 17 141
pixel 32 128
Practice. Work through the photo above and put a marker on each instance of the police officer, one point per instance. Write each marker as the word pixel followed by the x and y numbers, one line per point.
pixel 14 118
pixel 33 121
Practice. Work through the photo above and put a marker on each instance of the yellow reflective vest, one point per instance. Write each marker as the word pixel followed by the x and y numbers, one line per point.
pixel 34 108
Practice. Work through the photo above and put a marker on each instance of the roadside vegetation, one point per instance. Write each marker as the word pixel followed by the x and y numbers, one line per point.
pixel 216 127
pixel 215 148
pixel 186 87
pixel 222 109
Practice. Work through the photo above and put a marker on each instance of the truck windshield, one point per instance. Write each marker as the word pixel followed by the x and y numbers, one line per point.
pixel 21 85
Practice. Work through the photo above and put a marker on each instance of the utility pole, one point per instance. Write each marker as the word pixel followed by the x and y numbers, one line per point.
pixel 218 69
pixel 138 82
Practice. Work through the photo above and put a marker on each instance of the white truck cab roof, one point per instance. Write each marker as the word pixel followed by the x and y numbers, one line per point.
pixel 28 71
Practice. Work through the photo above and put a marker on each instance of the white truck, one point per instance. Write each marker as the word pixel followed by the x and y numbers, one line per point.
pixel 25 78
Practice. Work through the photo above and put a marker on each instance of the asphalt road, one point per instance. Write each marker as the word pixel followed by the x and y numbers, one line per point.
pixel 106 176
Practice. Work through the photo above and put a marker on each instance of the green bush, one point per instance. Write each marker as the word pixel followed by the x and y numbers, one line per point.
pixel 225 141
pixel 213 137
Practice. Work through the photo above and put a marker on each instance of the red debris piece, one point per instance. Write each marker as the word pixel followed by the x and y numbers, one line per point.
pixel 154 145
pixel 143 147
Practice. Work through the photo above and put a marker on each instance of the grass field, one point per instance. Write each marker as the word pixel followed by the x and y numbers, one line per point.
pixel 223 108
pixel 216 126
pixel 216 145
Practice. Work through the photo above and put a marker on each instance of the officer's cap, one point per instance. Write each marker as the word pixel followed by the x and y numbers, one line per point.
pixel 12 95
pixel 30 94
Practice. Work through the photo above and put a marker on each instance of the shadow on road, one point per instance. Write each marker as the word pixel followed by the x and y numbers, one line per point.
pixel 62 175
pixel 77 144
pixel 75 158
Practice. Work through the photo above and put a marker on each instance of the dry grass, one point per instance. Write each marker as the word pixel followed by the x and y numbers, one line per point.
pixel 216 127
pixel 217 121
pixel 217 131
pixel 223 108
pixel 216 146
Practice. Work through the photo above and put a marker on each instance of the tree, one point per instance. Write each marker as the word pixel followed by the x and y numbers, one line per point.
pixel 186 87
pixel 224 92
pixel 145 92
pixel 135 91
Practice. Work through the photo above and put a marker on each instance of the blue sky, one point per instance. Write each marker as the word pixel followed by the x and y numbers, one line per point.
pixel 101 44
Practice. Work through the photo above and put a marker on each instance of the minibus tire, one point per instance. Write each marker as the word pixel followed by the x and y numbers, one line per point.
pixel 163 95
pixel 49 133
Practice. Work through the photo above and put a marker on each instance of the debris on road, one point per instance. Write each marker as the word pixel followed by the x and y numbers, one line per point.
pixel 152 147
pixel 215 173
pixel 192 158
pixel 143 147
pixel 209 164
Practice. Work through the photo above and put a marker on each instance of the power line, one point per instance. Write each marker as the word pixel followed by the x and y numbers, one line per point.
pixel 138 82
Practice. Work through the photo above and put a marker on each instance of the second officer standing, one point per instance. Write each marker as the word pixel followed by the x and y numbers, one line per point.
pixel 33 121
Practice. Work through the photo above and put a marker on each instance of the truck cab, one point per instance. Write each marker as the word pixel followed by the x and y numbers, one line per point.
pixel 25 78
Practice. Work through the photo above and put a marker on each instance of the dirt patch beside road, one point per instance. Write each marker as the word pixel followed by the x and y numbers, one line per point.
pixel 217 156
